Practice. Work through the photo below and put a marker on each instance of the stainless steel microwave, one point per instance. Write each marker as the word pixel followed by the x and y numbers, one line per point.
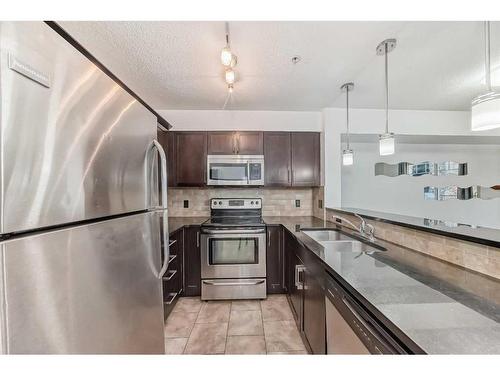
pixel 235 170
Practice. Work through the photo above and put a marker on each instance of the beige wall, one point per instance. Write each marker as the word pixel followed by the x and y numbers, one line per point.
pixel 276 201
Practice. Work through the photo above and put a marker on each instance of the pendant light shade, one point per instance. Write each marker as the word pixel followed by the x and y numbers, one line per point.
pixel 347 157
pixel 226 57
pixel 386 140
pixel 386 144
pixel 485 108
pixel 347 154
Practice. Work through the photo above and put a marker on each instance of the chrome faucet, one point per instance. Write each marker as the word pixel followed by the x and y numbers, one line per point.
pixel 365 229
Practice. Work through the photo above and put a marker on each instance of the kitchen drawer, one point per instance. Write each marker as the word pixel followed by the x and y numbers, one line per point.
pixel 172 288
pixel 233 289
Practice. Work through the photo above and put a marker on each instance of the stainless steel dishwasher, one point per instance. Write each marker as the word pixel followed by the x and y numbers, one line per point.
pixel 349 327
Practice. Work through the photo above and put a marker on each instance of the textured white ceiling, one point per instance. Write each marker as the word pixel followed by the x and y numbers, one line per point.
pixel 175 65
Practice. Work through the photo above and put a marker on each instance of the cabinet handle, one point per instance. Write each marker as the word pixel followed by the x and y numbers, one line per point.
pixel 299 269
pixel 268 238
pixel 171 242
pixel 288 175
pixel 174 295
pixel 171 274
pixel 172 257
pixel 198 239
pixel 237 143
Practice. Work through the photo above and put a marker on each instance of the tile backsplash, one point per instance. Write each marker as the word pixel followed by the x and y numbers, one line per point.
pixel 480 258
pixel 275 201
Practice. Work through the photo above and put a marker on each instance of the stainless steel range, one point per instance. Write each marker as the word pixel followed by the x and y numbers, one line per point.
pixel 233 250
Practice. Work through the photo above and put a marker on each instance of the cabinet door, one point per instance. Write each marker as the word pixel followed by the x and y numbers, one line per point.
pixel 249 143
pixel 274 260
pixel 305 159
pixel 314 313
pixel 277 159
pixel 192 261
pixel 167 140
pixel 191 156
pixel 221 143
pixel 293 278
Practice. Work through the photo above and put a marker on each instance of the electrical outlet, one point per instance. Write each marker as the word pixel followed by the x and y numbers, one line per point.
pixel 297 202
pixel 186 203
pixel 320 203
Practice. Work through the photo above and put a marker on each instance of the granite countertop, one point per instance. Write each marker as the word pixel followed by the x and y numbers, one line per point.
pixel 443 308
pixel 176 223
pixel 478 234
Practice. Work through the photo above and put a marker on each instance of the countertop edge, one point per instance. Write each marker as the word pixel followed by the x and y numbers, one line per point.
pixel 439 231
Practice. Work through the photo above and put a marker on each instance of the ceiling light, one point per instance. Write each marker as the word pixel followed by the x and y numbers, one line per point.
pixel 230 76
pixel 485 109
pixel 386 140
pixel 347 154
pixel 227 58
pixel 386 144
pixel 347 157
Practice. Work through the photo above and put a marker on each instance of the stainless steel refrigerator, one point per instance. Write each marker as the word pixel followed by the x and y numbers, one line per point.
pixel 82 221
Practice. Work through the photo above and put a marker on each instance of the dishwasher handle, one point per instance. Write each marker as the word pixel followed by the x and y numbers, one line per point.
pixel 365 327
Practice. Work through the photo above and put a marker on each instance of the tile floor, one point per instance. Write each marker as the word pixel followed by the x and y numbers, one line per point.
pixel 232 327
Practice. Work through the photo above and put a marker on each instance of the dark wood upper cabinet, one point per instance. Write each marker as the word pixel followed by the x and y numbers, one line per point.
pixel 191 158
pixel 249 143
pixel 221 143
pixel 231 142
pixel 167 140
pixel 305 159
pixel 277 154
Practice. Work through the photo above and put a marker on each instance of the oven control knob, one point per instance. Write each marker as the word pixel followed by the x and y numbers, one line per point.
pixel 251 202
pixel 220 202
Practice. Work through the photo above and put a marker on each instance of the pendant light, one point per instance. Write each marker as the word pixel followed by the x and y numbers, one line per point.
pixel 227 58
pixel 485 109
pixel 386 140
pixel 347 154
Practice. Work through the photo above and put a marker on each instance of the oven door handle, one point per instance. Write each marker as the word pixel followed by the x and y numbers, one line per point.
pixel 227 283
pixel 234 231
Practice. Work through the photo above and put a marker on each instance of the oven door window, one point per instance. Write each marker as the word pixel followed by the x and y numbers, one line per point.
pixel 228 172
pixel 229 251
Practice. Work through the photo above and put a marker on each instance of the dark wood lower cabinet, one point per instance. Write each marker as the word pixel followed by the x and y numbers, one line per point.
pixel 275 263
pixel 314 315
pixel 192 261
pixel 293 268
pixel 173 278
pixel 305 293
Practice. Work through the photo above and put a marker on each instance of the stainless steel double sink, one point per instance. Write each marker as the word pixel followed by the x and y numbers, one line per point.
pixel 334 240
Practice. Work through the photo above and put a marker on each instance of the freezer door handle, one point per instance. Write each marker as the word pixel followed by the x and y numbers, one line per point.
pixel 163 206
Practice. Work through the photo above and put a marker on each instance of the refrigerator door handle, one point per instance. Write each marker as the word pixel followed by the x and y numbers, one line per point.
pixel 163 206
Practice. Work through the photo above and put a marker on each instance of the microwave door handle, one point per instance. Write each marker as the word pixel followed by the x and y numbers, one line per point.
pixel 248 173
pixel 163 206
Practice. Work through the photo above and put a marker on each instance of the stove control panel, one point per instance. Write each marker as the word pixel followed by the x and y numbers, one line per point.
pixel 235 203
